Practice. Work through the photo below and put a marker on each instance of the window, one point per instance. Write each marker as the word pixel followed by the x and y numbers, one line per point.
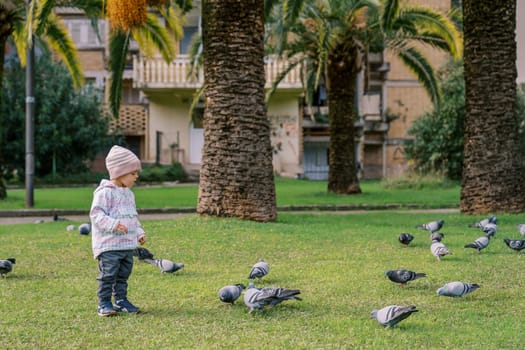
pixel 186 40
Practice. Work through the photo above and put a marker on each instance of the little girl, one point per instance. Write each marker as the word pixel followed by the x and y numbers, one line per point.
pixel 116 230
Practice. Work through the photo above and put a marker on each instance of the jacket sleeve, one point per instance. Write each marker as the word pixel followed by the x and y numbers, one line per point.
pixel 100 213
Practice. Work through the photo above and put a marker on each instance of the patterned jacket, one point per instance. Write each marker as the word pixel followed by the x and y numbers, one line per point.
pixel 113 205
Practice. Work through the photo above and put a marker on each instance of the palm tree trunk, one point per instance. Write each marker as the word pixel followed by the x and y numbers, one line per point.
pixel 236 176
pixel 342 75
pixel 493 170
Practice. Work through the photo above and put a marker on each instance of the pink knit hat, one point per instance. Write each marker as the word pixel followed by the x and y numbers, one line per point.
pixel 121 161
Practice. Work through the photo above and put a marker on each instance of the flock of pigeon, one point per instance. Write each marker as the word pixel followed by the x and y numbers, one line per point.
pixel 391 315
pixel 258 298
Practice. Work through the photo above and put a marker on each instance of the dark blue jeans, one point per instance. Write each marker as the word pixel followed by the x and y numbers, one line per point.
pixel 114 270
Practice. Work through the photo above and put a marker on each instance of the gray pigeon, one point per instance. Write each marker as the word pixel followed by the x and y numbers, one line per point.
pixel 457 289
pixel 142 253
pixel 229 294
pixel 405 239
pixel 484 222
pixel 165 266
pixel 391 315
pixel 437 236
pixel 6 266
pixel 432 226
pixel 438 249
pixel 259 270
pixel 403 276
pixel 490 229
pixel 480 243
pixel 259 298
pixel 515 244
pixel 521 228
pixel 84 229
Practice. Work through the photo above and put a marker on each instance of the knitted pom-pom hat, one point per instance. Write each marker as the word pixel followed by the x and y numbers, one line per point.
pixel 121 161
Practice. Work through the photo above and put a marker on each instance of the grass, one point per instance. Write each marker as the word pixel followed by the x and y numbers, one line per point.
pixel 288 193
pixel 337 261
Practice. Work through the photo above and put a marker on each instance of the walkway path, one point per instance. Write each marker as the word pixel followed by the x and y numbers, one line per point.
pixel 24 217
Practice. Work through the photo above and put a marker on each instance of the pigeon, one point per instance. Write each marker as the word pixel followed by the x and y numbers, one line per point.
pixel 391 315
pixel 480 243
pixel 165 266
pixel 84 229
pixel 142 253
pixel 405 239
pixel 482 223
pixel 490 229
pixel 521 228
pixel 438 249
pixel 70 228
pixel 259 298
pixel 403 276
pixel 229 294
pixel 515 244
pixel 259 270
pixel 58 218
pixel 432 226
pixel 6 266
pixel 457 289
pixel 437 236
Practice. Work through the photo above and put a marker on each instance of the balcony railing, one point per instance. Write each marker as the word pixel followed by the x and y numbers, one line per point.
pixel 132 120
pixel 155 73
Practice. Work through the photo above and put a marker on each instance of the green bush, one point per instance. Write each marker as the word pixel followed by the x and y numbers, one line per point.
pixel 162 173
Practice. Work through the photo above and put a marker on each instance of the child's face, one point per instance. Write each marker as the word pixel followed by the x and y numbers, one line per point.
pixel 128 180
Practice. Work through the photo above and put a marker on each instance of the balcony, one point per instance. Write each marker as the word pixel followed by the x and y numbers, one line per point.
pixel 155 73
pixel 132 120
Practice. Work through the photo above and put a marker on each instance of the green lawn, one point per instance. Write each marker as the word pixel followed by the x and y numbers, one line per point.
pixel 337 261
pixel 288 192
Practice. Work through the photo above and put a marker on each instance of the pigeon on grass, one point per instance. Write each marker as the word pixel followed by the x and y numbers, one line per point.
pixel 480 243
pixel 84 229
pixel 405 238
pixel 6 266
pixel 391 315
pixel 437 236
pixel 490 229
pixel 432 226
pixel 403 276
pixel 259 298
pixel 164 265
pixel 457 289
pixel 259 270
pixel 439 250
pixel 515 244
pixel 142 253
pixel 484 222
pixel 229 294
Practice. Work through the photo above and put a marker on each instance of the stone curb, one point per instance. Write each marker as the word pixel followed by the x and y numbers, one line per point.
pixel 186 210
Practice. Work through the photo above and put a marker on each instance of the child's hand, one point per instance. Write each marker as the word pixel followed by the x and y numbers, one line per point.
pixel 142 240
pixel 122 228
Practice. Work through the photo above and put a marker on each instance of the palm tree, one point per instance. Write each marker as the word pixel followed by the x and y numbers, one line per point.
pixel 39 22
pixel 493 168
pixel 236 176
pixel 332 38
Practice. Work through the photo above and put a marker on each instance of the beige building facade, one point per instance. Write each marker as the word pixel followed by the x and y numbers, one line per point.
pixel 155 114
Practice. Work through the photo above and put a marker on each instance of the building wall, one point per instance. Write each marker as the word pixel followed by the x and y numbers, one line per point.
pixel 286 134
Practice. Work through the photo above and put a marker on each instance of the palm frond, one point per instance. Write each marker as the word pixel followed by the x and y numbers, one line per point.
pixel 152 35
pixel 430 21
pixel 57 37
pixel 43 9
pixel 424 72
pixel 118 49
pixel 390 11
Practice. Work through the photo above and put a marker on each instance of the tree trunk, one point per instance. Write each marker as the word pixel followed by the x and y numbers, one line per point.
pixel 493 170
pixel 341 86
pixel 236 176
pixel 7 18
